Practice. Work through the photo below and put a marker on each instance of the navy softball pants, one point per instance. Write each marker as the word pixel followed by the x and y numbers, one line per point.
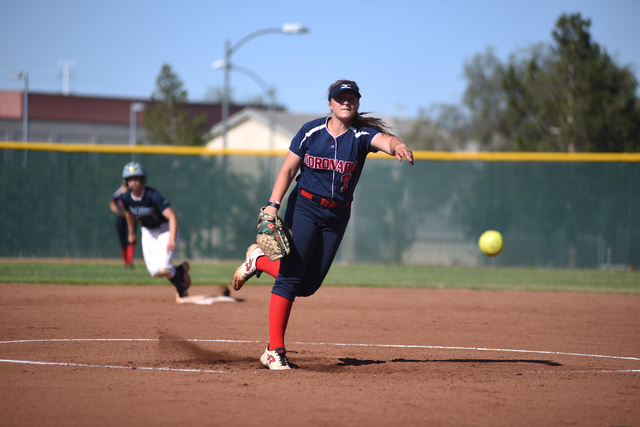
pixel 123 232
pixel 317 233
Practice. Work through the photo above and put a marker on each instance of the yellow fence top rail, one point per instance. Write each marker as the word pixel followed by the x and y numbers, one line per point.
pixel 418 155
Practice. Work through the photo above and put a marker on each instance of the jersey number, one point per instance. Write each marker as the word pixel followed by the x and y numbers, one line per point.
pixel 345 178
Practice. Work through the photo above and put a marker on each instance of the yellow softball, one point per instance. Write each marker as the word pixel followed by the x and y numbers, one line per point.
pixel 491 242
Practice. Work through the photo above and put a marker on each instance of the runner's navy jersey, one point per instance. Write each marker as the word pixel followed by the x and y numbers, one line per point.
pixel 331 166
pixel 116 197
pixel 148 211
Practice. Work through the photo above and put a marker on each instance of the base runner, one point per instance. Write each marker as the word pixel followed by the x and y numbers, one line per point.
pixel 159 228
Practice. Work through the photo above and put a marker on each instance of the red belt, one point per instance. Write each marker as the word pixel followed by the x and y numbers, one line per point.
pixel 327 203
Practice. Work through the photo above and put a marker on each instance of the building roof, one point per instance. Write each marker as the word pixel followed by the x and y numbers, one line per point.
pixel 91 109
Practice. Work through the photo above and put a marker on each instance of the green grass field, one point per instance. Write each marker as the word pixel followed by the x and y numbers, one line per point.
pixel 205 273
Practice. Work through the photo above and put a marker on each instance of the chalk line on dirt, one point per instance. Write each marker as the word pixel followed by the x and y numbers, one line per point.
pixel 85 365
pixel 432 347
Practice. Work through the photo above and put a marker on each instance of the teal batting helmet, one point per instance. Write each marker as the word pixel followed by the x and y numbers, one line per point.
pixel 132 169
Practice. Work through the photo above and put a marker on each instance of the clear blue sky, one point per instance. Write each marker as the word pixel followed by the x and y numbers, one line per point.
pixel 404 54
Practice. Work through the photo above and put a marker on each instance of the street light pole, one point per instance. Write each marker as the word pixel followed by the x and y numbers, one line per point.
pixel 134 108
pixel 270 92
pixel 225 94
pixel 230 50
pixel 25 103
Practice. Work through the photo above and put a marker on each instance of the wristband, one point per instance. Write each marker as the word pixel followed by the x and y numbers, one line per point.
pixel 274 204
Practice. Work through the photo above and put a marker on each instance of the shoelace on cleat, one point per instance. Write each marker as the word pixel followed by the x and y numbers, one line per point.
pixel 283 357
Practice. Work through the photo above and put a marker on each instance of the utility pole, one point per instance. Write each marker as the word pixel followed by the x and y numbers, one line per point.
pixel 66 75
pixel 24 75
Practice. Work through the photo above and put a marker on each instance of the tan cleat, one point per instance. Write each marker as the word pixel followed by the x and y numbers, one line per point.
pixel 248 268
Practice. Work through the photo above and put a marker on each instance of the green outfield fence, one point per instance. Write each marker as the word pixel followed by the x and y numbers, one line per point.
pixel 554 210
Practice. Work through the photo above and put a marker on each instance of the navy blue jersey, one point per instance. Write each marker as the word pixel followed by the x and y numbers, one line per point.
pixel 331 166
pixel 148 210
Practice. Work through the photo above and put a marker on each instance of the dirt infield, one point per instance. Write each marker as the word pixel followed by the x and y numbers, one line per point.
pixel 131 356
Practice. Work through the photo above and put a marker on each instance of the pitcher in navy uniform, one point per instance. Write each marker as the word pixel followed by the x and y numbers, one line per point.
pixel 329 153
pixel 159 228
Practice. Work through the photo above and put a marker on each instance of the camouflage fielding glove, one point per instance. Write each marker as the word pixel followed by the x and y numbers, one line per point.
pixel 274 236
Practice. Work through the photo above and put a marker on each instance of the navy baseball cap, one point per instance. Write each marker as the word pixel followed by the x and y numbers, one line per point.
pixel 341 88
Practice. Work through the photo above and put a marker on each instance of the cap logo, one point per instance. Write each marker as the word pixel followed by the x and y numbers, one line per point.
pixel 345 86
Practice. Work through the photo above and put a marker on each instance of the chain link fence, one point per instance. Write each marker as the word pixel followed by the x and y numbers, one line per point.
pixel 553 214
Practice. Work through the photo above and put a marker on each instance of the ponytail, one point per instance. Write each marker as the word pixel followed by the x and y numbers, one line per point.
pixel 373 122
pixel 360 120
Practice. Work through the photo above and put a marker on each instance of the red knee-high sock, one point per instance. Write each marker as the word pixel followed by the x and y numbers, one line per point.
pixel 123 252
pixel 279 310
pixel 263 263
pixel 131 250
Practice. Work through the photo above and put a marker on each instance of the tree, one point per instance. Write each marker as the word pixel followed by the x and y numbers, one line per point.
pixel 438 129
pixel 215 94
pixel 599 97
pixel 572 96
pixel 168 121
pixel 531 109
pixel 569 95
pixel 484 99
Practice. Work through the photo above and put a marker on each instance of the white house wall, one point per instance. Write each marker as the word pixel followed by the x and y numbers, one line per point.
pixel 250 135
